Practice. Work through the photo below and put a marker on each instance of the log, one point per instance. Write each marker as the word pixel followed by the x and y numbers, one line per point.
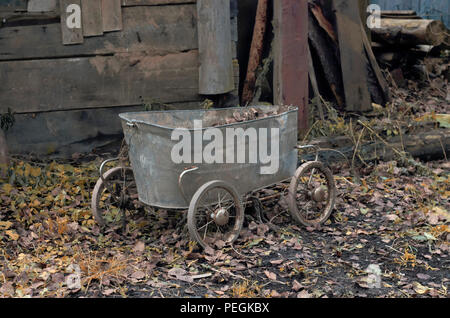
pixel 426 145
pixel 399 14
pixel 410 32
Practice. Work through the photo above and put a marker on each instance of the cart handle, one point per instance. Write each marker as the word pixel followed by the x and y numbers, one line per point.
pixel 316 148
pixel 180 178
pixel 132 124
pixel 102 166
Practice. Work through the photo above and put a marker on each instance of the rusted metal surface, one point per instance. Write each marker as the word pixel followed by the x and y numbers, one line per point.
pixel 255 51
pixel 148 135
pixel 291 57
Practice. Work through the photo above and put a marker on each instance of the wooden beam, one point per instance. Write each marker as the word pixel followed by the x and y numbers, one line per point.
pixel 255 51
pixel 13 5
pixel 291 57
pixel 44 41
pixel 126 3
pixel 353 58
pixel 62 133
pixel 214 38
pixel 42 5
pixel 101 81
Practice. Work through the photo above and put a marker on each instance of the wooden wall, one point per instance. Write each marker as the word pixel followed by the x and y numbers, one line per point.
pixel 67 97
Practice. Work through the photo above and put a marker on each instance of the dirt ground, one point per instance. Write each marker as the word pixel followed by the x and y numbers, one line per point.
pixel 394 222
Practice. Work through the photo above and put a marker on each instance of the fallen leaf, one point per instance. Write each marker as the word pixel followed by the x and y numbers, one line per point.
pixel 296 286
pixel 423 276
pixel 5 225
pixel 270 275
pixel 139 247
pixel 138 275
pixel 13 235
pixel 420 289
pixel 304 294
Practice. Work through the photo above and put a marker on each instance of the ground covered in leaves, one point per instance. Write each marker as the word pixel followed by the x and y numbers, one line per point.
pixel 388 237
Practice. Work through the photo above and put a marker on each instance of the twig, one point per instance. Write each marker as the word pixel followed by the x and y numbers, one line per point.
pixel 443 149
pixel 356 150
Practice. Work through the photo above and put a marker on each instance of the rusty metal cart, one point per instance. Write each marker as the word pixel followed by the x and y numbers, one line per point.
pixel 211 193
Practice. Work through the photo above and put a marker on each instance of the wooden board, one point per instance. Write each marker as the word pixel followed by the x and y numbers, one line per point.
pixel 42 5
pixel 63 133
pixel 126 3
pixel 353 57
pixel 157 30
pixel 214 38
pixel 112 15
pixel 291 57
pixel 78 83
pixel 13 5
pixel 92 17
pixel 69 35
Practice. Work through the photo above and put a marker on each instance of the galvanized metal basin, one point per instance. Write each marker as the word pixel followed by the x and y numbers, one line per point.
pixel 149 136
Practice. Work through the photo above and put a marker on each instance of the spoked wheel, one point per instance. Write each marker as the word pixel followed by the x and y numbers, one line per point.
pixel 215 214
pixel 312 194
pixel 114 197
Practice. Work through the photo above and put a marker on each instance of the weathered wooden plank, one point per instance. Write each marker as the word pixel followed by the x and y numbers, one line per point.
pixel 92 17
pixel 42 5
pixel 62 133
pixel 382 82
pixel 214 38
pixel 353 57
pixel 71 28
pixel 112 15
pixel 13 5
pixel 291 57
pixel 156 30
pixel 126 3
pixel 76 83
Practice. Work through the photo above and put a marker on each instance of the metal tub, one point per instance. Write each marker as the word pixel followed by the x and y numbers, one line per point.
pixel 149 136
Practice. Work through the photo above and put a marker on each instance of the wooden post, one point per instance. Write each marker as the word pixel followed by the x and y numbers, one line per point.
pixel 255 51
pixel 215 54
pixel 291 57
pixel 363 5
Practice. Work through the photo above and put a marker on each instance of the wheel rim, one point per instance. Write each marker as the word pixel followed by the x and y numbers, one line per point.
pixel 215 215
pixel 115 197
pixel 312 194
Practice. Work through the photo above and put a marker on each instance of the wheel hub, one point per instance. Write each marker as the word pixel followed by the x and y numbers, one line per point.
pixel 319 194
pixel 221 216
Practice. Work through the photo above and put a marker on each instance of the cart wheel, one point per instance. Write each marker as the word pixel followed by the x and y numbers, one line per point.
pixel 215 214
pixel 113 196
pixel 312 193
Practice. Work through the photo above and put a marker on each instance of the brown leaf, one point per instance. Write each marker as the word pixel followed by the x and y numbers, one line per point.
pixel 139 247
pixel 270 275
pixel 138 275
pixel 304 294
pixel 296 286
